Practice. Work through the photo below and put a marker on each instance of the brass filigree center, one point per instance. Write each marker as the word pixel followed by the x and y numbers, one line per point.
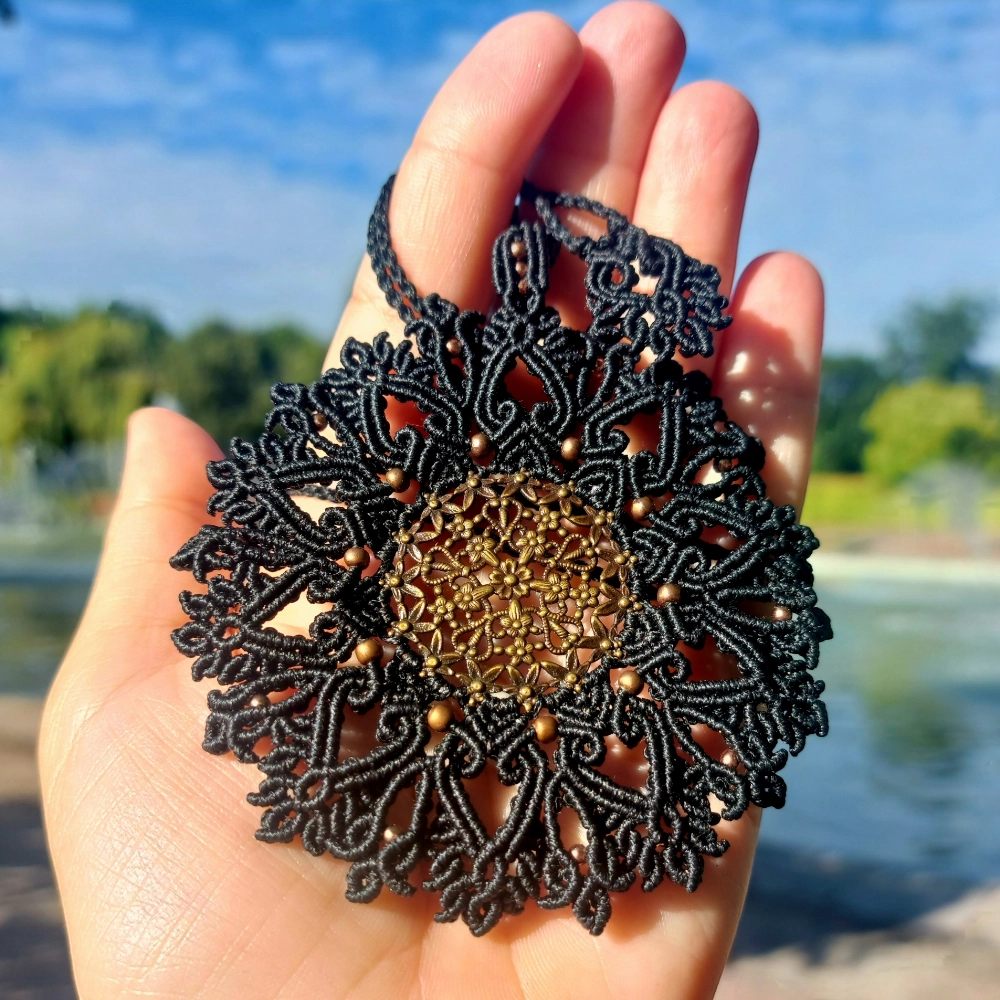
pixel 510 586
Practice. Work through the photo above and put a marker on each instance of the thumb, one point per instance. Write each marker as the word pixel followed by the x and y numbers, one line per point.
pixel 124 634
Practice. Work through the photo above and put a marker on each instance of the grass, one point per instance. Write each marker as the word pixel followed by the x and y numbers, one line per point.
pixel 860 501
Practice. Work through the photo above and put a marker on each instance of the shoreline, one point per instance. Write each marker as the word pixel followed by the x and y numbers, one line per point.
pixel 20 718
pixel 905 569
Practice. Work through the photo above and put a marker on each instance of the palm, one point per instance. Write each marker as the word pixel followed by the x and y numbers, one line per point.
pixel 165 890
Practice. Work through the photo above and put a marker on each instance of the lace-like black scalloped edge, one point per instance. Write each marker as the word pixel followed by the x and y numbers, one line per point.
pixel 265 552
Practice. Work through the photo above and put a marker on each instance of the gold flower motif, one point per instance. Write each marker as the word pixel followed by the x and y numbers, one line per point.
pixel 510 579
pixel 514 579
pixel 514 621
pixel 479 551
pixel 546 520
pixel 441 609
pixel 469 597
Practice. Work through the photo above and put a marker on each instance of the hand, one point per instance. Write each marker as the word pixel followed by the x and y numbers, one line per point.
pixel 166 892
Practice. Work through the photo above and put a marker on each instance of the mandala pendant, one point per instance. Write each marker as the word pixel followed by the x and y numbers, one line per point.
pixel 512 593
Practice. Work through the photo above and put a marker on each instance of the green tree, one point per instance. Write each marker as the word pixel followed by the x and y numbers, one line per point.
pixel 848 388
pixel 914 425
pixel 77 380
pixel 222 376
pixel 12 320
pixel 937 341
pixel 934 341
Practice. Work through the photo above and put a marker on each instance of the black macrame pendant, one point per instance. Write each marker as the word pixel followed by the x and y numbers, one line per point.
pixel 510 591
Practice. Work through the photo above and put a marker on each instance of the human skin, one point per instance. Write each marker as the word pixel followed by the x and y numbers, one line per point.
pixel 165 891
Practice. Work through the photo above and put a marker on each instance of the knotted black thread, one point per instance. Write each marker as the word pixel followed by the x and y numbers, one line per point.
pixel 266 552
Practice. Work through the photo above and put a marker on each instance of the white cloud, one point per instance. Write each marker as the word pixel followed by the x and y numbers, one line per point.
pixel 187 235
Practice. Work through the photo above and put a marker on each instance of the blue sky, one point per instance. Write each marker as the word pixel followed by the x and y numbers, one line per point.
pixel 221 156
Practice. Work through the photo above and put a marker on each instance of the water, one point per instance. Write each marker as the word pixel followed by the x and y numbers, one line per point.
pixel 38 615
pixel 908 781
pixel 910 773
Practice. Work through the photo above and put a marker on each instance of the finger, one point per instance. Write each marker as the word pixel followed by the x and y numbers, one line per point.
pixel 456 185
pixel 133 605
pixel 768 369
pixel 694 182
pixel 632 53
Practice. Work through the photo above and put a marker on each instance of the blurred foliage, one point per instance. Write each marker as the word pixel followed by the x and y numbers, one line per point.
pixel 867 421
pixel 222 376
pixel 848 387
pixel 937 341
pixel 68 380
pixel 73 379
pixel 62 383
pixel 852 501
pixel 856 500
pixel 914 425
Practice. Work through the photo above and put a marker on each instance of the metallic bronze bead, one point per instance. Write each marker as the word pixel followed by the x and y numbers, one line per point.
pixel 631 682
pixel 356 555
pixel 439 717
pixel 319 420
pixel 259 701
pixel 453 346
pixel 368 650
pixel 570 449
pixel 729 759
pixel 724 464
pixel 578 853
pixel 397 479
pixel 668 593
pixel 521 268
pixel 523 286
pixel 781 613
pixel 390 833
pixel 519 249
pixel 546 728
pixel 641 508
pixel 479 445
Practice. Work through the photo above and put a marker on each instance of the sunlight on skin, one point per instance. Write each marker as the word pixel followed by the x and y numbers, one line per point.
pixel 166 892
pixel 768 366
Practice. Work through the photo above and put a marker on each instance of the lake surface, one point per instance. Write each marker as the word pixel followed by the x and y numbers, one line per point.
pixel 38 615
pixel 910 773
pixel 906 784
